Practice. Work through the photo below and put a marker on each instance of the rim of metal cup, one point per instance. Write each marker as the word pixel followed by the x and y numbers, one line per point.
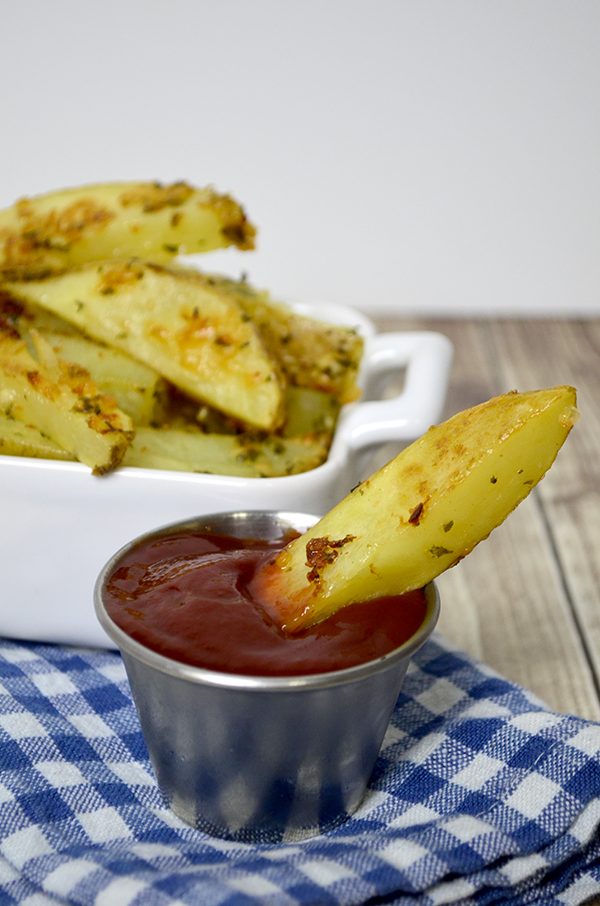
pixel 205 676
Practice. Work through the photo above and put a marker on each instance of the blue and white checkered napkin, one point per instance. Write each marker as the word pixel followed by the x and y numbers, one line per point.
pixel 481 795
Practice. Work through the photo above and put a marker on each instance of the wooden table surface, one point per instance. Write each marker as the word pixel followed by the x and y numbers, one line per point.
pixel 527 600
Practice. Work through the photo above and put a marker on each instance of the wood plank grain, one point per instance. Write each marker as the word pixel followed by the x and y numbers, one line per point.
pixel 507 602
pixel 557 352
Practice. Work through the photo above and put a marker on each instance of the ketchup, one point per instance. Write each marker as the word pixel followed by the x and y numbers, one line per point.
pixel 184 595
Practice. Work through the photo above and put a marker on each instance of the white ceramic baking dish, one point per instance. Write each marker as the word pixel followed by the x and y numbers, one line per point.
pixel 60 524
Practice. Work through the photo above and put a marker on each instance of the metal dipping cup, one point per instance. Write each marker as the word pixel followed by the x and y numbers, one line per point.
pixel 260 759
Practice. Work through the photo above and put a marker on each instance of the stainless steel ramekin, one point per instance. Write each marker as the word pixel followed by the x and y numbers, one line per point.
pixel 261 759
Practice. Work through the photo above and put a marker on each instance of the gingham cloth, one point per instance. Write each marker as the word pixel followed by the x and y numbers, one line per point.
pixel 481 795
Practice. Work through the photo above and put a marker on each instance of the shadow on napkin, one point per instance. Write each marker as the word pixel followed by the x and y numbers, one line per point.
pixel 481 794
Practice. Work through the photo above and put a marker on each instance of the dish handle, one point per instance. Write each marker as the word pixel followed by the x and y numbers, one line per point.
pixel 425 359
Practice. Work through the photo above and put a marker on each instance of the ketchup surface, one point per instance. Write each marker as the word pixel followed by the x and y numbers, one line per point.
pixel 185 596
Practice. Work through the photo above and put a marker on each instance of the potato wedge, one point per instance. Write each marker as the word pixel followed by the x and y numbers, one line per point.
pixel 194 335
pixel 423 511
pixel 61 401
pixel 309 412
pixel 312 354
pixel 139 391
pixel 48 233
pixel 19 439
pixel 225 454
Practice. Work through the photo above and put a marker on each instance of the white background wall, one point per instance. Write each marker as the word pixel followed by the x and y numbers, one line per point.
pixel 436 156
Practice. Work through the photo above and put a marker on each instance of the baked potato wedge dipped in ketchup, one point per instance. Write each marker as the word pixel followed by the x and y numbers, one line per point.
pixel 422 512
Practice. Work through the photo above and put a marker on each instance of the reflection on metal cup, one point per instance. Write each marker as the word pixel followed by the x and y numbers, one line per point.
pixel 261 759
